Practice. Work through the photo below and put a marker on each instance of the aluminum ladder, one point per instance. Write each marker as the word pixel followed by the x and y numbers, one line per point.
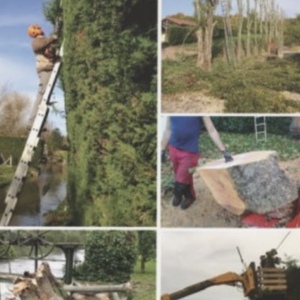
pixel 260 125
pixel 30 146
pixel 229 44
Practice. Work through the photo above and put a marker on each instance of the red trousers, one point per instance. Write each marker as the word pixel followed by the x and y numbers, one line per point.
pixel 182 161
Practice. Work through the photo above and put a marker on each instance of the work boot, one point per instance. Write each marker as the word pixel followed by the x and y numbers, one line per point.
pixel 188 198
pixel 178 193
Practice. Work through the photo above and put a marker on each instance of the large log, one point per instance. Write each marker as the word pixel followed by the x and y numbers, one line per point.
pixel 253 182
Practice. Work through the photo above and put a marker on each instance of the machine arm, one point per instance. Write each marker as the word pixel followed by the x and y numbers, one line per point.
pixel 226 278
pixel 247 279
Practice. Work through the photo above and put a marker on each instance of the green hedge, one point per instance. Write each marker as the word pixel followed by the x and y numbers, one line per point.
pixel 178 35
pixel 275 125
pixel 109 76
pixel 110 257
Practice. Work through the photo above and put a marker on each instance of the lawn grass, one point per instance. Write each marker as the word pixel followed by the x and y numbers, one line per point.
pixel 6 174
pixel 144 284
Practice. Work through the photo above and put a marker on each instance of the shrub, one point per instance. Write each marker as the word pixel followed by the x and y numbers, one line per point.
pixel 178 35
pixel 250 99
pixel 110 256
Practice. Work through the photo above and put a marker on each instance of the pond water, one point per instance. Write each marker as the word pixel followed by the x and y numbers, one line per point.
pixel 19 266
pixel 40 194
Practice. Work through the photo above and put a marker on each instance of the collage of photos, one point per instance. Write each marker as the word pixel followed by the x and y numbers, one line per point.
pixel 149 150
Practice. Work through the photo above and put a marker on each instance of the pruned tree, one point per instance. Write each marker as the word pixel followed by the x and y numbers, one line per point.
pixel 204 10
pixel 249 25
pixel 240 6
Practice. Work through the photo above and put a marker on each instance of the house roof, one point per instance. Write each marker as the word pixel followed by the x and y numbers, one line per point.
pixel 179 21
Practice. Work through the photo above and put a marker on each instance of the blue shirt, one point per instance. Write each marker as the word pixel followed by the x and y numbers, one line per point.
pixel 185 133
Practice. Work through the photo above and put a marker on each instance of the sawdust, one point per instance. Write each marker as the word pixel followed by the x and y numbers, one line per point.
pixel 191 102
pixel 205 212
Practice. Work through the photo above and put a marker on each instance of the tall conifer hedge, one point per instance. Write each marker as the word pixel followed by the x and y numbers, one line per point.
pixel 109 78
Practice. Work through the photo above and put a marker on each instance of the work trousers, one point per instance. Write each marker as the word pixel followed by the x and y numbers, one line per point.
pixel 183 161
pixel 44 77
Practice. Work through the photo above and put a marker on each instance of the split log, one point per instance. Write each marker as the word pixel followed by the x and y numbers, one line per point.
pixel 41 285
pixel 253 182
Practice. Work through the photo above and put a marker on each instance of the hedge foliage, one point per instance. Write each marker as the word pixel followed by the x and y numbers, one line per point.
pixel 110 256
pixel 178 35
pixel 109 77
pixel 240 124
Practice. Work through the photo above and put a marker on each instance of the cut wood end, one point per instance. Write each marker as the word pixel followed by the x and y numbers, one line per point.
pixel 239 159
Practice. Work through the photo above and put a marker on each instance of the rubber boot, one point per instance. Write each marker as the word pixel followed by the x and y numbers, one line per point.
pixel 179 189
pixel 188 198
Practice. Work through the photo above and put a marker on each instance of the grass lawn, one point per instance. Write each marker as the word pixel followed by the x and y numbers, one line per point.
pixel 6 174
pixel 144 284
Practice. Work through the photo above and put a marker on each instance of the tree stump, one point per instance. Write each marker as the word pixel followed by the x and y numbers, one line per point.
pixel 253 182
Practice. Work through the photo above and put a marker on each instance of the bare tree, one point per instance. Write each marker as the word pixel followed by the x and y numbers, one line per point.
pixel 205 10
pixel 240 28
pixel 249 24
pixel 13 108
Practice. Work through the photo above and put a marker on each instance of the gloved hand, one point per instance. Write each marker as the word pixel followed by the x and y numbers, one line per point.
pixel 163 156
pixel 227 156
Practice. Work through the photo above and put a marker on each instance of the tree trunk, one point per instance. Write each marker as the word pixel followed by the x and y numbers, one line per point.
pixel 204 33
pixel 249 24
pixel 240 28
pixel 41 285
pixel 253 181
pixel 143 265
pixel 200 48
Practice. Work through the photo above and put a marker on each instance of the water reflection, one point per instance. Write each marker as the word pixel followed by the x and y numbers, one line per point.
pixel 40 194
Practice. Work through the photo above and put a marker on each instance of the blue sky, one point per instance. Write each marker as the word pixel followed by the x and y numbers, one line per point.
pixel 17 61
pixel 170 7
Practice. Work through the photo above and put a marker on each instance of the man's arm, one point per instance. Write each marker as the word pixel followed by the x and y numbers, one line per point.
pixel 166 136
pixel 213 133
pixel 39 44
pixel 165 140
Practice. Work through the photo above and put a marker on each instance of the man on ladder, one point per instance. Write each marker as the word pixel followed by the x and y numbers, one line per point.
pixel 45 58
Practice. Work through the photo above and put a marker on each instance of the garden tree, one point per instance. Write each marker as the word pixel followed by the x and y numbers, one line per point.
pixel 292 31
pixel 54 140
pixel 109 79
pixel 249 24
pixel 13 108
pixel 110 256
pixel 204 10
pixel 147 247
pixel 240 6
pixel 293 278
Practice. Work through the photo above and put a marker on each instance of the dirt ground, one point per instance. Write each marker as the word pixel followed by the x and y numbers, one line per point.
pixel 205 212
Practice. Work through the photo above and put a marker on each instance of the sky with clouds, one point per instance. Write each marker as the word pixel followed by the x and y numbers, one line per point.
pixel 169 7
pixel 17 61
pixel 191 256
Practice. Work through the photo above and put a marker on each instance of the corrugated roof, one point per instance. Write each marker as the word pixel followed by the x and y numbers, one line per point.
pixel 179 21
